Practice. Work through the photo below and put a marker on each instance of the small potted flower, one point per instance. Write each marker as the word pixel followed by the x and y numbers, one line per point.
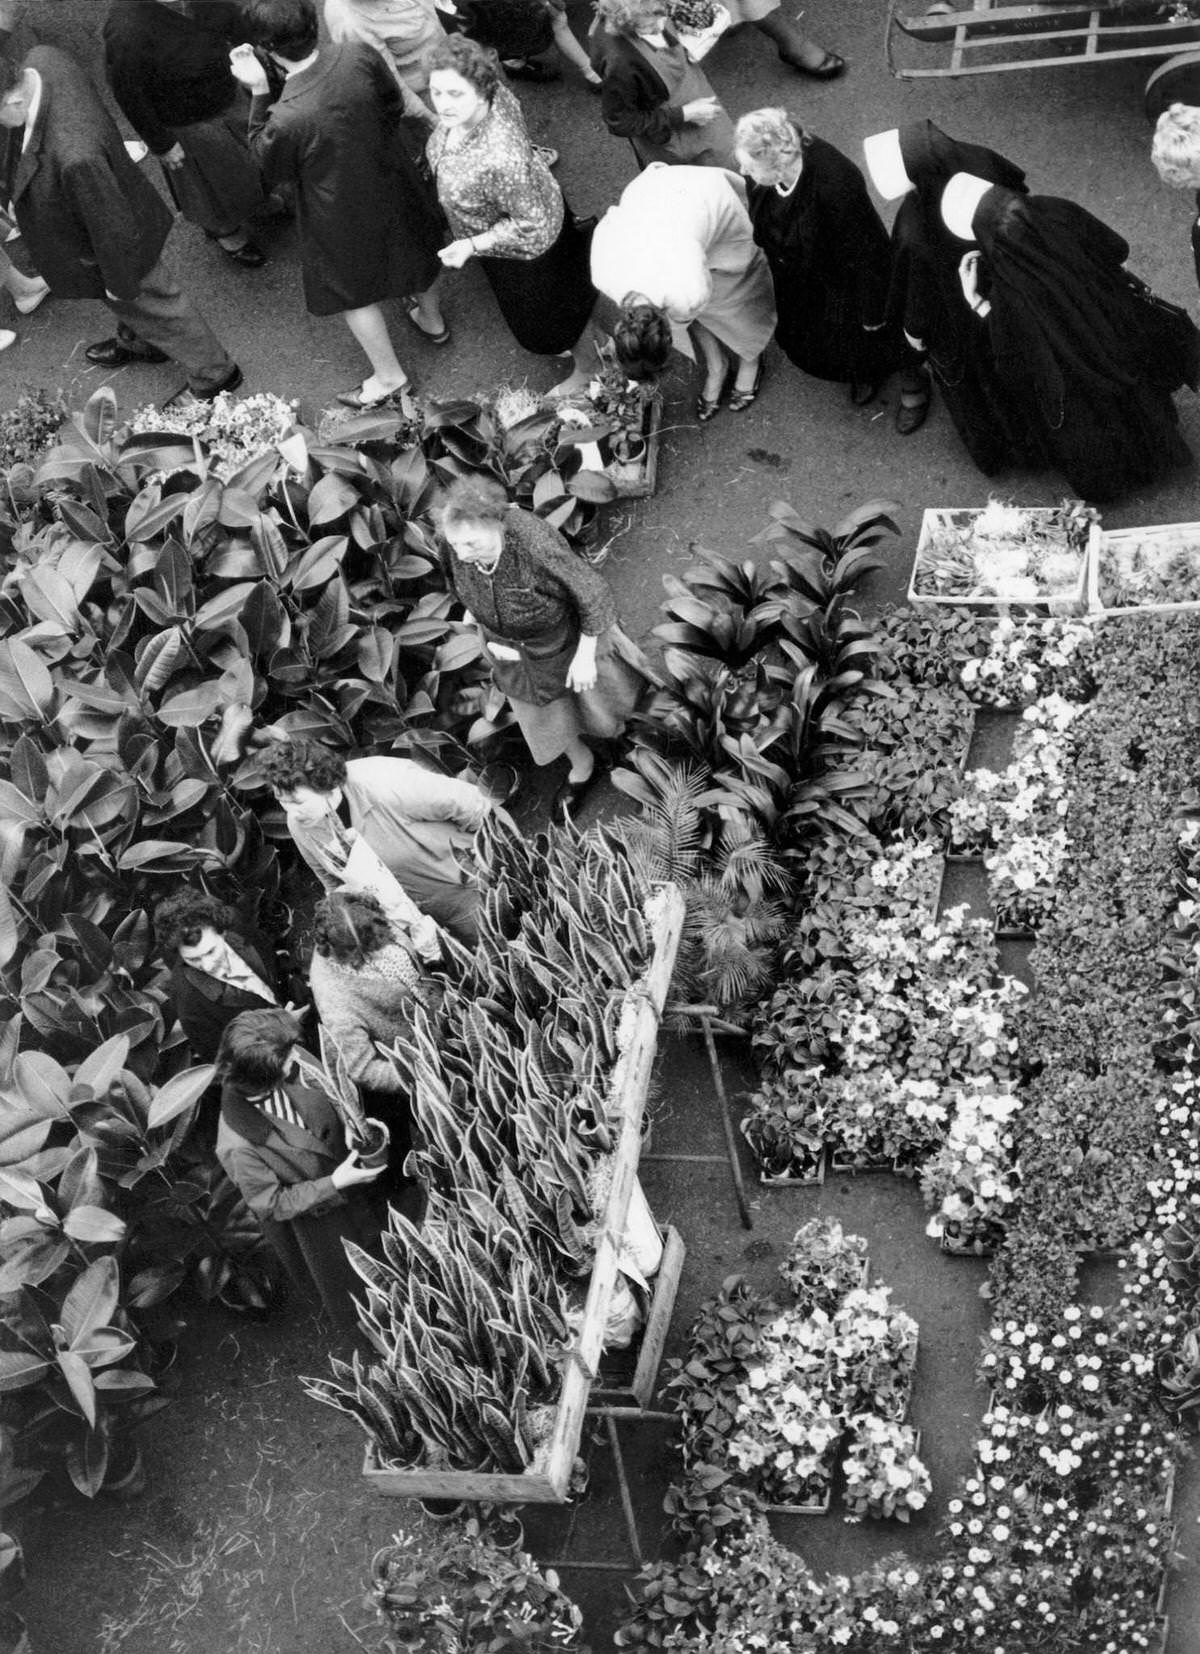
pixel 884 1474
pixel 972 1179
pixel 823 1264
pixel 785 1127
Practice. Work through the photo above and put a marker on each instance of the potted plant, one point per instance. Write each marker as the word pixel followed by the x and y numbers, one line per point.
pixel 823 1264
pixel 458 1593
pixel 369 1136
pixel 972 1179
pixel 785 1127
pixel 884 1473
pixel 1004 555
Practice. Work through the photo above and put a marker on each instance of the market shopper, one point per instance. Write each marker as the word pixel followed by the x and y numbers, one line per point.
pixel 369 226
pixel 1087 356
pixel 916 162
pixel 653 94
pixel 549 626
pixel 418 824
pixel 504 208
pixel 168 66
pixel 94 226
pixel 366 979
pixel 216 972
pixel 830 261
pixel 283 1145
pixel 678 249
pixel 1176 156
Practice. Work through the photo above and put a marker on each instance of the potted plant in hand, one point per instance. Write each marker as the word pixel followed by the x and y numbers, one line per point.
pixel 370 1137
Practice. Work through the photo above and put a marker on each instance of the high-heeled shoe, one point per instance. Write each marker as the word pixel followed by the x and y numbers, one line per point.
pixel 707 408
pixel 29 303
pixel 741 400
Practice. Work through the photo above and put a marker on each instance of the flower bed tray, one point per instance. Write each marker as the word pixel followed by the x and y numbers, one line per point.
pixel 769 1181
pixel 639 1391
pixel 1157 545
pixel 954 1250
pixel 819 1508
pixel 548 1482
pixel 854 1168
pixel 645 480
pixel 935 518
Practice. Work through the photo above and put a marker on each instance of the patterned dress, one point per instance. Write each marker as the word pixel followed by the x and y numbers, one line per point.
pixel 492 180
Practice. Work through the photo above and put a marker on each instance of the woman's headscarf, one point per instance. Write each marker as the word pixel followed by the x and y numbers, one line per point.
pixel 1064 310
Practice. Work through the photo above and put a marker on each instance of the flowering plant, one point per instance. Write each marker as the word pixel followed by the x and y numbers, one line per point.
pixel 823 1264
pixel 884 1475
pixel 972 1178
pixel 231 429
pixel 1027 659
pixel 610 412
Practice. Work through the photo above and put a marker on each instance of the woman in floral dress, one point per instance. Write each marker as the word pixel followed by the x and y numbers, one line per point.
pixel 505 209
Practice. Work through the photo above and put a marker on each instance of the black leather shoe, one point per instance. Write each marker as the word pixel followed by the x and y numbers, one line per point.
pixel 829 68
pixel 571 795
pixel 911 416
pixel 249 255
pixel 230 382
pixel 115 353
pixel 530 68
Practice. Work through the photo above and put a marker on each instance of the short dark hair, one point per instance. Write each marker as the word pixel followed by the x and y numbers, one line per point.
pixel 254 1048
pixel 179 919
pixel 287 765
pixel 474 62
pixel 476 498
pixel 348 927
pixel 642 338
pixel 288 28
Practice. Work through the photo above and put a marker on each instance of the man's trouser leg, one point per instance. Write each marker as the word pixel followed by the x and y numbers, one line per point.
pixel 162 315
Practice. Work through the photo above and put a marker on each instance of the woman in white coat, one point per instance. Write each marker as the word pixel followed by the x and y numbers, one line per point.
pixel 677 253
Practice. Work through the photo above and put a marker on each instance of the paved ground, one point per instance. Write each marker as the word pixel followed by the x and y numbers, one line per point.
pixel 255 1505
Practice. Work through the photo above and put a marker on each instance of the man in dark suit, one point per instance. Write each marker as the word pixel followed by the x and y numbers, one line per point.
pixel 283 1145
pixel 94 226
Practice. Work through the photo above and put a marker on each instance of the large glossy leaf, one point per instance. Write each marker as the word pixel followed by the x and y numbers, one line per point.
pixel 26 687
pixel 263 620
pixel 189 708
pixel 155 853
pixel 150 516
pixel 78 1375
pixel 180 1093
pixel 331 497
pixel 93 1226
pixel 87 1461
pixel 20 1368
pixel 91 1301
pixel 51 599
pixel 41 1085
pixel 319 563
pixel 101 1067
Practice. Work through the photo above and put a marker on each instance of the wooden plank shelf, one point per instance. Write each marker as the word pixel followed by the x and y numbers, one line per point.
pixel 547 1481
pixel 639 1391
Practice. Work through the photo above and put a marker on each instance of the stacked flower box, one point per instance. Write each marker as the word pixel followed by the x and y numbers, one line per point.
pixel 1154 570
pixel 997 559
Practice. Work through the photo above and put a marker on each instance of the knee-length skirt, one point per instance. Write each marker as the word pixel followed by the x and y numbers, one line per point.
pixel 546 301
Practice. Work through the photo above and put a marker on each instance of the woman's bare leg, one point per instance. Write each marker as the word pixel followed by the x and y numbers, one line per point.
pixel 370 329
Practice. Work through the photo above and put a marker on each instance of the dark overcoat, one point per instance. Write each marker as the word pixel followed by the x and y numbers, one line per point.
pixel 284 1173
pixel 205 1007
pixel 369 222
pixel 90 219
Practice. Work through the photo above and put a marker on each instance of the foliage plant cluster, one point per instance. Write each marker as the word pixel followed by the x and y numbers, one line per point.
pixel 1059 1537
pixel 769 1395
pixel 458 1592
pixel 744 752
pixel 156 581
pixel 467 1315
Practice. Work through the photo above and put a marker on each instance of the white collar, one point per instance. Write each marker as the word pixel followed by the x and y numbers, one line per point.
pixel 299 68
pixel 35 105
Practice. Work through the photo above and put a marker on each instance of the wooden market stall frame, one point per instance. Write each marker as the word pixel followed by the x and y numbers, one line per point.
pixel 1079 34
pixel 581 1363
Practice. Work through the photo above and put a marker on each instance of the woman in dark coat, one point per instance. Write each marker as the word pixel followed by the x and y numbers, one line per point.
pixel 549 625
pixel 653 94
pixel 829 255
pixel 215 973
pixel 283 1145
pixel 369 225
pixel 1083 350
pixel 168 66
pixel 925 298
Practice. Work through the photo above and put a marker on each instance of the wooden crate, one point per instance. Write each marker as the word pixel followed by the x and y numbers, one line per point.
pixel 630 1084
pixel 785 1182
pixel 639 1391
pixel 1121 540
pixel 642 488
pixel 938 516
